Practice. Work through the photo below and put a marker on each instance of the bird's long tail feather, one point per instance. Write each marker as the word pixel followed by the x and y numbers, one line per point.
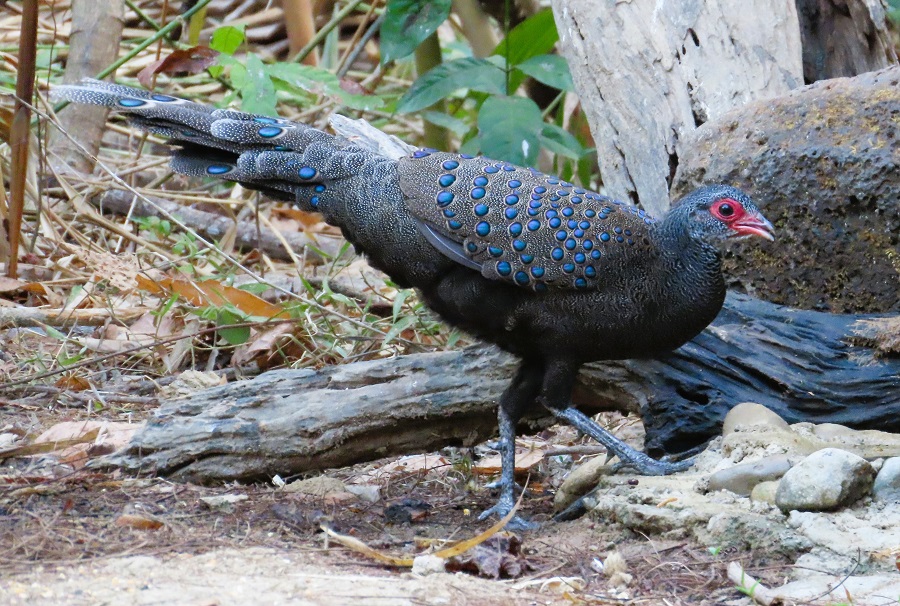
pixel 285 159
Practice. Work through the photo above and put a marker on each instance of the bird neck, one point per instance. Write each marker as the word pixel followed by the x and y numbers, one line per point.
pixel 691 258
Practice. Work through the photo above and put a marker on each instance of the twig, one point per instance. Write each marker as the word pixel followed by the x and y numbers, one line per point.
pixel 32 316
pixel 131 350
pixel 751 587
pixel 213 226
pixel 326 29
pixel 575 450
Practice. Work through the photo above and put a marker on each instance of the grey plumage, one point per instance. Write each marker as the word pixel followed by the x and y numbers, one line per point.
pixel 549 271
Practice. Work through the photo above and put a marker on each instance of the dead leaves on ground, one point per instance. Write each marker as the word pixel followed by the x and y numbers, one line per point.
pixel 486 554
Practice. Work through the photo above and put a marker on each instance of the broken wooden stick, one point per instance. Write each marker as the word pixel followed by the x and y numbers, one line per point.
pixel 801 364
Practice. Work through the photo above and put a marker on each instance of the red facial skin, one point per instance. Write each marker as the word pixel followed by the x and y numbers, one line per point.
pixel 733 214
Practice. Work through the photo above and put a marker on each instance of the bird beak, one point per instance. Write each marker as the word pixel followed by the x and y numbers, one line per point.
pixel 754 225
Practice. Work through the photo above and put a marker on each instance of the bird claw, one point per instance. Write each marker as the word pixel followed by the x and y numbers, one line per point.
pixel 517 488
pixel 515 523
pixel 653 467
pixel 628 456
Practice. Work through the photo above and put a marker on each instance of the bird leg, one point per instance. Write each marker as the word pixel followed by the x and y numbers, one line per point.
pixel 513 403
pixel 641 462
pixel 555 392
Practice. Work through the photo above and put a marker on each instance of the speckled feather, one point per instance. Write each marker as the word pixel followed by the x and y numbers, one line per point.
pixel 522 226
pixel 507 253
pixel 550 272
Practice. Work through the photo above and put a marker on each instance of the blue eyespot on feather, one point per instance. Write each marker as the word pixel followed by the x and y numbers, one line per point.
pixel 268 132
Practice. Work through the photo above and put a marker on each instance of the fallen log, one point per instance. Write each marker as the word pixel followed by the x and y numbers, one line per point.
pixel 804 365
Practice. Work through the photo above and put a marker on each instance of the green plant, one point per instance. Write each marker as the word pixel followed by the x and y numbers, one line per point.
pixel 477 99
pixel 485 109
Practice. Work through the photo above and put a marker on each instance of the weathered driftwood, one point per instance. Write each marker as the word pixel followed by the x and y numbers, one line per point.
pixel 799 363
pixel 648 74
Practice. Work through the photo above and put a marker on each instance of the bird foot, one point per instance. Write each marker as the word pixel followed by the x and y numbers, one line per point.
pixel 629 457
pixel 502 510
pixel 517 488
pixel 648 466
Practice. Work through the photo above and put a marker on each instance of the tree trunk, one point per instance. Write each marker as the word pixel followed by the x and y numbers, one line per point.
pixel 844 38
pixel 801 364
pixel 647 75
pixel 93 45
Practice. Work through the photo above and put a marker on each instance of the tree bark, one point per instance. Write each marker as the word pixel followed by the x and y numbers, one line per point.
pixel 647 75
pixel 93 45
pixel 844 38
pixel 801 364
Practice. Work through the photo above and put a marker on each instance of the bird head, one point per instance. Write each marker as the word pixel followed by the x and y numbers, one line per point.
pixel 720 212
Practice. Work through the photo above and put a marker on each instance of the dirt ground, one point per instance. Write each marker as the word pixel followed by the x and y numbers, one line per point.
pixel 77 536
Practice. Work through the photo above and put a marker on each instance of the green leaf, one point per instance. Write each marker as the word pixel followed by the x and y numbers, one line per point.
pixel 65 360
pixel 321 82
pixel 257 288
pixel 56 334
pixel 536 35
pixel 586 167
pixel 551 70
pixel 455 125
pixel 509 128
pixel 407 23
pixel 398 327
pixel 227 39
pixel 483 75
pixel 398 302
pixel 257 90
pixel 235 335
pixel 560 141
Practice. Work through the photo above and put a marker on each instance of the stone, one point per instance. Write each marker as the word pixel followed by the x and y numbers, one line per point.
pixel 825 480
pixel 823 162
pixel 428 564
pixel 370 493
pixel 764 492
pixel 579 481
pixel 741 479
pixel 803 439
pixel 751 413
pixel 317 486
pixel 887 482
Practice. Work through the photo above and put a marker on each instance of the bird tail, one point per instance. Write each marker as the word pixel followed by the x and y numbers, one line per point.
pixel 284 159
pixel 352 179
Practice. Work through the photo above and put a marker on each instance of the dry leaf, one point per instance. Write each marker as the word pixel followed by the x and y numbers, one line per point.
pixel 187 61
pixel 140 521
pixel 72 383
pixel 213 293
pixel 455 550
pixel 525 460
pixel 11 284
pixel 500 556
pixel 261 342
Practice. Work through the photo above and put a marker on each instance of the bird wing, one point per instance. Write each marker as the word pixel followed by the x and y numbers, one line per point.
pixel 518 225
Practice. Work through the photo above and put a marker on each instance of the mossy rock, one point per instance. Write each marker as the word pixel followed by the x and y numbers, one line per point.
pixel 823 162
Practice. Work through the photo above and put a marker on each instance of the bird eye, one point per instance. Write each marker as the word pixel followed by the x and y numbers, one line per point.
pixel 726 209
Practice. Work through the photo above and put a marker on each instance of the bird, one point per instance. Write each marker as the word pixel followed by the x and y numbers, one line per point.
pixel 551 272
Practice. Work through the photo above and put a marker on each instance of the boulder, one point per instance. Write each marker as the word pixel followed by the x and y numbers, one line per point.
pixel 823 481
pixel 741 479
pixel 823 162
pixel 887 482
